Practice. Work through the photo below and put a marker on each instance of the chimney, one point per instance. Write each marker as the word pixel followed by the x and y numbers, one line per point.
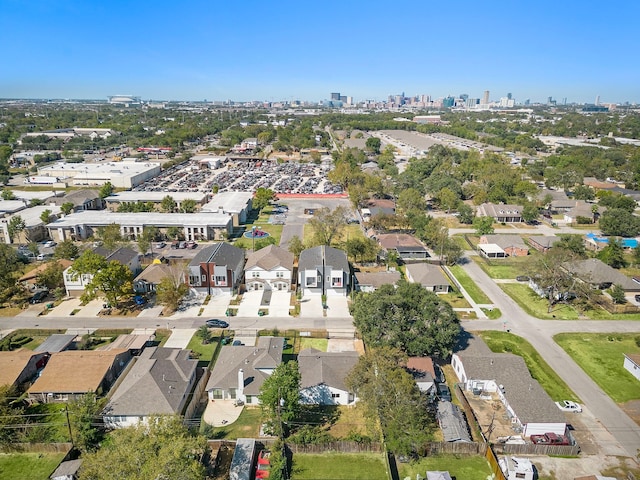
pixel 240 392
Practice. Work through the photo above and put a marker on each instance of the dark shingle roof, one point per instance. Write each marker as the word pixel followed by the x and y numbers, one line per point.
pixel 221 254
pixel 333 257
pixel 328 368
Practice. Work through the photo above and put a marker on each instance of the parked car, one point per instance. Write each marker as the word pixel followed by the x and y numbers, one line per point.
pixel 191 245
pixel 443 392
pixel 39 296
pixel 215 323
pixel 49 244
pixel 550 439
pixel 139 300
pixel 161 245
pixel 522 278
pixel 175 244
pixel 569 406
pixel 637 297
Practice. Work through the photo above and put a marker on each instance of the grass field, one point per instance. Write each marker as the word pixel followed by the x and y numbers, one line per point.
pixel 339 466
pixel 492 314
pixel 456 300
pixel 246 426
pixel 205 351
pixel 461 467
pixel 28 466
pixel 504 342
pixel 351 419
pixel 536 306
pixel 469 285
pixel 600 355
pixel 317 343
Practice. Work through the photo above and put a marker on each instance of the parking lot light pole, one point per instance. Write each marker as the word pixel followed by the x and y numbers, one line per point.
pixel 253 238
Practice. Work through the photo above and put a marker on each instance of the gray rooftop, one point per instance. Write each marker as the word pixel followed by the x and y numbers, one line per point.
pixel 328 368
pixel 219 253
pixel 313 257
pixel 253 361
pixel 131 196
pixel 156 384
pixel 231 202
pixel 270 257
pixel 452 423
pixel 158 219
pixel 377 279
pixel 55 343
pixel 506 241
pixel 426 274
pixel 595 272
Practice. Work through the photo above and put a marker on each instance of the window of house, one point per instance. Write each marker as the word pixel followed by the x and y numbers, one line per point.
pixel 335 395
pixel 279 274
pixel 311 281
pixel 204 278
pixel 221 280
pixel 255 274
pixel 336 282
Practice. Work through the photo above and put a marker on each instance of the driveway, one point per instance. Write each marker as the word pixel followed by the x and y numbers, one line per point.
pixel 338 306
pixel 617 434
pixel 311 306
pixel 217 306
pixel 180 337
pixel 250 303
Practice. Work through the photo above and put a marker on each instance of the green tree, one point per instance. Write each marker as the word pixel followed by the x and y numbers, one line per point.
pixel 466 213
pixel 168 204
pixel 105 190
pixel 373 145
pixel 7 194
pixel 327 225
pixel 363 248
pixel 46 216
pixel 51 277
pixel 9 270
pixel 265 242
pixel 296 246
pixel 582 192
pixel 411 200
pixel 483 225
pixel 613 254
pixel 66 249
pixel 447 199
pixel 67 208
pixel 188 206
pixel 389 394
pixel 205 334
pixel 618 295
pixel 15 226
pixel 174 232
pixel 530 212
pixel 262 198
pixel 110 236
pixel 280 396
pixel 172 289
pixel 10 415
pixel 84 415
pixel 111 279
pixel 34 248
pixel 407 317
pixel 573 243
pixel 162 449
pixel 149 234
pixel 619 222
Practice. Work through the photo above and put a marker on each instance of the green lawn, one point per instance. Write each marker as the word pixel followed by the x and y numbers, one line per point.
pixel 503 269
pixel 338 466
pixel 461 467
pixel 600 355
pixel 274 230
pixel 504 342
pixel 456 300
pixel 205 351
pixel 535 305
pixel 469 285
pixel 29 466
pixel 246 426
pixel 53 422
pixel 492 314
pixel 317 343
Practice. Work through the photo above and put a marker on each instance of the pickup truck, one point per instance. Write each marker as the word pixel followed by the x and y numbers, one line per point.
pixel 550 439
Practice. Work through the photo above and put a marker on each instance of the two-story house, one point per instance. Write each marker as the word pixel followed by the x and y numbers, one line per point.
pixel 217 269
pixel 323 270
pixel 270 268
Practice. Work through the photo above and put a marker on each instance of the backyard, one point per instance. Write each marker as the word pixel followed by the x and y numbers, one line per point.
pixel 29 466
pixel 461 467
pixel 338 466
pixel 504 342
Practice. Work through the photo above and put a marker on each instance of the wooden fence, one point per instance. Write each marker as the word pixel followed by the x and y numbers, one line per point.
pixel 533 449
pixel 493 463
pixel 62 447
pixel 197 395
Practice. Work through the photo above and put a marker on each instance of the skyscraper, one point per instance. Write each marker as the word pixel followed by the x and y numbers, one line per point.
pixel 485 98
pixel 335 96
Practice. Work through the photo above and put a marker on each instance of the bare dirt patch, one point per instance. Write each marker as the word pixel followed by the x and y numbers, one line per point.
pixel 632 409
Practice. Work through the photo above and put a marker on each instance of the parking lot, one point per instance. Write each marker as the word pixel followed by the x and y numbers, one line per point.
pixel 243 175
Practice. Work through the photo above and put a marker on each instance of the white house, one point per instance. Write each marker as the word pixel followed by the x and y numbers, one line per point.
pixel 322 377
pixel 323 270
pixel 506 375
pixel 632 364
pixel 270 268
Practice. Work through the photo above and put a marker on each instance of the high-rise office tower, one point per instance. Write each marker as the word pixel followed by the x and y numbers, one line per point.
pixel 485 98
pixel 597 99
pixel 335 96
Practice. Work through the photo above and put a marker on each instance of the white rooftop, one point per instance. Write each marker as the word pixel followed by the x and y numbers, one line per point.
pixel 106 169
pixel 103 218
pixel 36 194
pixel 233 202
pixel 11 206
pixel 31 216
pixel 130 196
pixel 490 248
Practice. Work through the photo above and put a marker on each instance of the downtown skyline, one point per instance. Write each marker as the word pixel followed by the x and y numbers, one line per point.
pixel 304 50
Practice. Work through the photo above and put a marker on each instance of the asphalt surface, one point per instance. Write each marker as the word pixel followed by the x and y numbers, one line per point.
pixel 616 433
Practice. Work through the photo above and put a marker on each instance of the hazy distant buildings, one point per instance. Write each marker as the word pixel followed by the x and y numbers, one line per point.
pixel 485 98
pixel 335 96
pixel 125 100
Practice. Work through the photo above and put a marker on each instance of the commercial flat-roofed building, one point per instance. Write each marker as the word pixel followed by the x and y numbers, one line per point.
pixel 34 228
pixel 195 226
pixel 125 174
pixel 236 204
pixel 115 200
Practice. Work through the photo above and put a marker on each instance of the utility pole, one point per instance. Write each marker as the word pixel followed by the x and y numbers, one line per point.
pixel 66 411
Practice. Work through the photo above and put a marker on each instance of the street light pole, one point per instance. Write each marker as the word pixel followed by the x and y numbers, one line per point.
pixel 253 238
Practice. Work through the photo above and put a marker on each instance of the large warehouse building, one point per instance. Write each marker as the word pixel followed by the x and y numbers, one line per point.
pixel 126 174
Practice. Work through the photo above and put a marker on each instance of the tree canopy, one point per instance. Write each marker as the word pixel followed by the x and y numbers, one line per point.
pixel 279 396
pixel 408 317
pixel 162 449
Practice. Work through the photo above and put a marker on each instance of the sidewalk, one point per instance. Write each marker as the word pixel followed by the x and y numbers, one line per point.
pixel 474 306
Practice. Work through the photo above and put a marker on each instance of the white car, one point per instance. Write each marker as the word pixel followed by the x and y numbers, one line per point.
pixel 569 406
pixel 49 244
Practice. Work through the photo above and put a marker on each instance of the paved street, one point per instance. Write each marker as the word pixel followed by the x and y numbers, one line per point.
pixel 616 433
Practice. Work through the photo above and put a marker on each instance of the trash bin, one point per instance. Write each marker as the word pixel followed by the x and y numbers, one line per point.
pixel 260 313
pixel 49 306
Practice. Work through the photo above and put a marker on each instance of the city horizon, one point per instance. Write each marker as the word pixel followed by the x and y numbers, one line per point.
pixel 304 51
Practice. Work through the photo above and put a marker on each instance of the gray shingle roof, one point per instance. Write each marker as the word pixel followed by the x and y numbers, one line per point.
pixel 328 368
pixel 506 241
pixel 426 274
pixel 269 258
pixel 377 279
pixel 55 343
pixel 252 360
pixel 156 384
pixel 452 423
pixel 221 254
pixel 596 272
pixel 312 257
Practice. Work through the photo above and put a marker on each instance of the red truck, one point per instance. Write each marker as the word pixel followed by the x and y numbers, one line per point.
pixel 550 438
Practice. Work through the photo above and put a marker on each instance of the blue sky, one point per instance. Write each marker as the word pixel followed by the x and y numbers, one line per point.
pixel 305 49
